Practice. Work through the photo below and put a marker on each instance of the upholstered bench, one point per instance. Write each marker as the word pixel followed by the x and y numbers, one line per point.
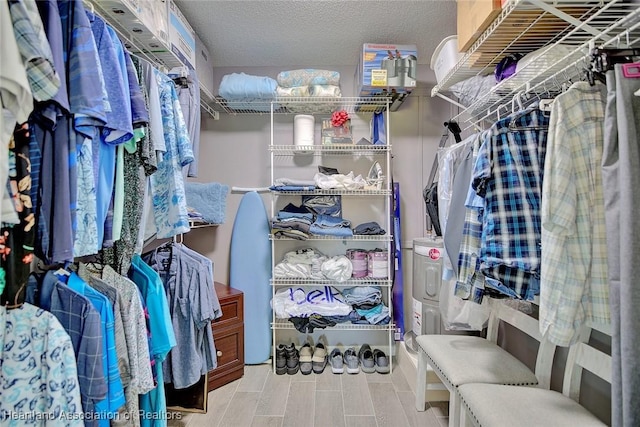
pixel 494 405
pixel 460 359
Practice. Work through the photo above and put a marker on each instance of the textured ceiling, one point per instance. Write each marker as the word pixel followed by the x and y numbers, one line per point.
pixel 313 33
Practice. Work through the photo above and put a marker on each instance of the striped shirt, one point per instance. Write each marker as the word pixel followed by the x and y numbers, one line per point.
pixel 574 287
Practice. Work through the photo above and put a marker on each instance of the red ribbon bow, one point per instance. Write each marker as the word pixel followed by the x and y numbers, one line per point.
pixel 339 118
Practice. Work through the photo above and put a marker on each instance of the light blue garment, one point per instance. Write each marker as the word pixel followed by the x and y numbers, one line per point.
pixel 376 315
pixel 190 103
pixel 167 184
pixel 86 241
pixel 153 405
pixel 334 231
pixel 326 225
pixel 38 372
pixel 331 221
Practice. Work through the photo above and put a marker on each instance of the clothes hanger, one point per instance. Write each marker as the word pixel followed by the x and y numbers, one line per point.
pixel 16 304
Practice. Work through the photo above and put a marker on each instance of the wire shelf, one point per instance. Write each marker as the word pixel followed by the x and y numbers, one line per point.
pixel 285 324
pixel 306 105
pixel 333 192
pixel 286 281
pixel 356 238
pixel 337 149
pixel 527 25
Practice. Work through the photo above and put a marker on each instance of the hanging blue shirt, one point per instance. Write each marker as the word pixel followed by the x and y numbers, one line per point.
pixel 153 404
pixel 108 407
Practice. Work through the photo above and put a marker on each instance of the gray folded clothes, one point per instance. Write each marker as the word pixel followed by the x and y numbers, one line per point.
pixel 369 228
pixel 291 225
pixel 292 234
pixel 362 294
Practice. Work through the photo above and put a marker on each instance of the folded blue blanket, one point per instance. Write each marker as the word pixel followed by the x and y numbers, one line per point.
pixel 209 199
pixel 241 86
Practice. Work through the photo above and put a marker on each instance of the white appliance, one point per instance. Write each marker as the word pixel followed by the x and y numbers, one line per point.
pixel 427 281
pixel 425 289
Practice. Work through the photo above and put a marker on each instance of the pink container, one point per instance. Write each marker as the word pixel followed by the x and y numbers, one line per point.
pixel 359 261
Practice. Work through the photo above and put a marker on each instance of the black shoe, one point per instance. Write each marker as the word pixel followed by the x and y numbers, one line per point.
pixel 293 359
pixel 281 360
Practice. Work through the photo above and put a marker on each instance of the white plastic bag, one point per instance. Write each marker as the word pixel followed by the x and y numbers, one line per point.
pixel 461 315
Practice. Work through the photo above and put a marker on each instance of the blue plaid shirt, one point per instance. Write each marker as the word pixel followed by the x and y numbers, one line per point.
pixel 35 50
pixel 508 176
pixel 81 320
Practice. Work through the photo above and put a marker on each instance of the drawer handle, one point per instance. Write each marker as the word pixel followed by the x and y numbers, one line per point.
pixel 218 353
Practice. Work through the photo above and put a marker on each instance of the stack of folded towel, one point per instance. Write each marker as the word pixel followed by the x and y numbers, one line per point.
pixel 246 92
pixel 304 83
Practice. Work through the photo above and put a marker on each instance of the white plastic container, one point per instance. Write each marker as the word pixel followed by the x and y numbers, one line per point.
pixel 303 130
pixel 445 57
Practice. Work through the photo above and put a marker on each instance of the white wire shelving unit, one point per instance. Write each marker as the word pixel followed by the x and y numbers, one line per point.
pixel 524 26
pixel 372 203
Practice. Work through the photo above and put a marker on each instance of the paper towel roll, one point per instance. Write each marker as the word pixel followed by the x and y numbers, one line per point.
pixel 303 129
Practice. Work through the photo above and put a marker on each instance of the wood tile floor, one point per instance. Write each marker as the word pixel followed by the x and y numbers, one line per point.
pixel 261 398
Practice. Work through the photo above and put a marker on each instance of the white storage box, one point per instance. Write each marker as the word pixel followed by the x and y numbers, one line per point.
pixel 445 57
pixel 204 69
pixel 182 38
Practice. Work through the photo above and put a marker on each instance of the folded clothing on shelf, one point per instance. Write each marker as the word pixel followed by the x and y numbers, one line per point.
pixel 246 92
pixel 208 199
pixel 308 76
pixel 300 302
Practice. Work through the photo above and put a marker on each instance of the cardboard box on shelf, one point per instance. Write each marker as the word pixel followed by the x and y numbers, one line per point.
pixel 387 68
pixel 474 16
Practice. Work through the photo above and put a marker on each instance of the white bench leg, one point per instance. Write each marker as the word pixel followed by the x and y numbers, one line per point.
pixel 465 419
pixel 421 382
pixel 454 409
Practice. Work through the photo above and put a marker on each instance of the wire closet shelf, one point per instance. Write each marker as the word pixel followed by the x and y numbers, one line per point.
pixel 528 25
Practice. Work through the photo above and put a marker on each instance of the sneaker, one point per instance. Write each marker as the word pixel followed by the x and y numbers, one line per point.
pixel 281 360
pixel 319 359
pixel 293 359
pixel 351 360
pixel 335 359
pixel 306 359
pixel 381 360
pixel 365 356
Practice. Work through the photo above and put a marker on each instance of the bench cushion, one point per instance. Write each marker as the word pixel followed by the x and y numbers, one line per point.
pixel 493 405
pixel 461 359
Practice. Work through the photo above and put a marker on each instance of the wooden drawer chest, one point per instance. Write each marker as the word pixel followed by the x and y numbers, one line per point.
pixel 228 336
